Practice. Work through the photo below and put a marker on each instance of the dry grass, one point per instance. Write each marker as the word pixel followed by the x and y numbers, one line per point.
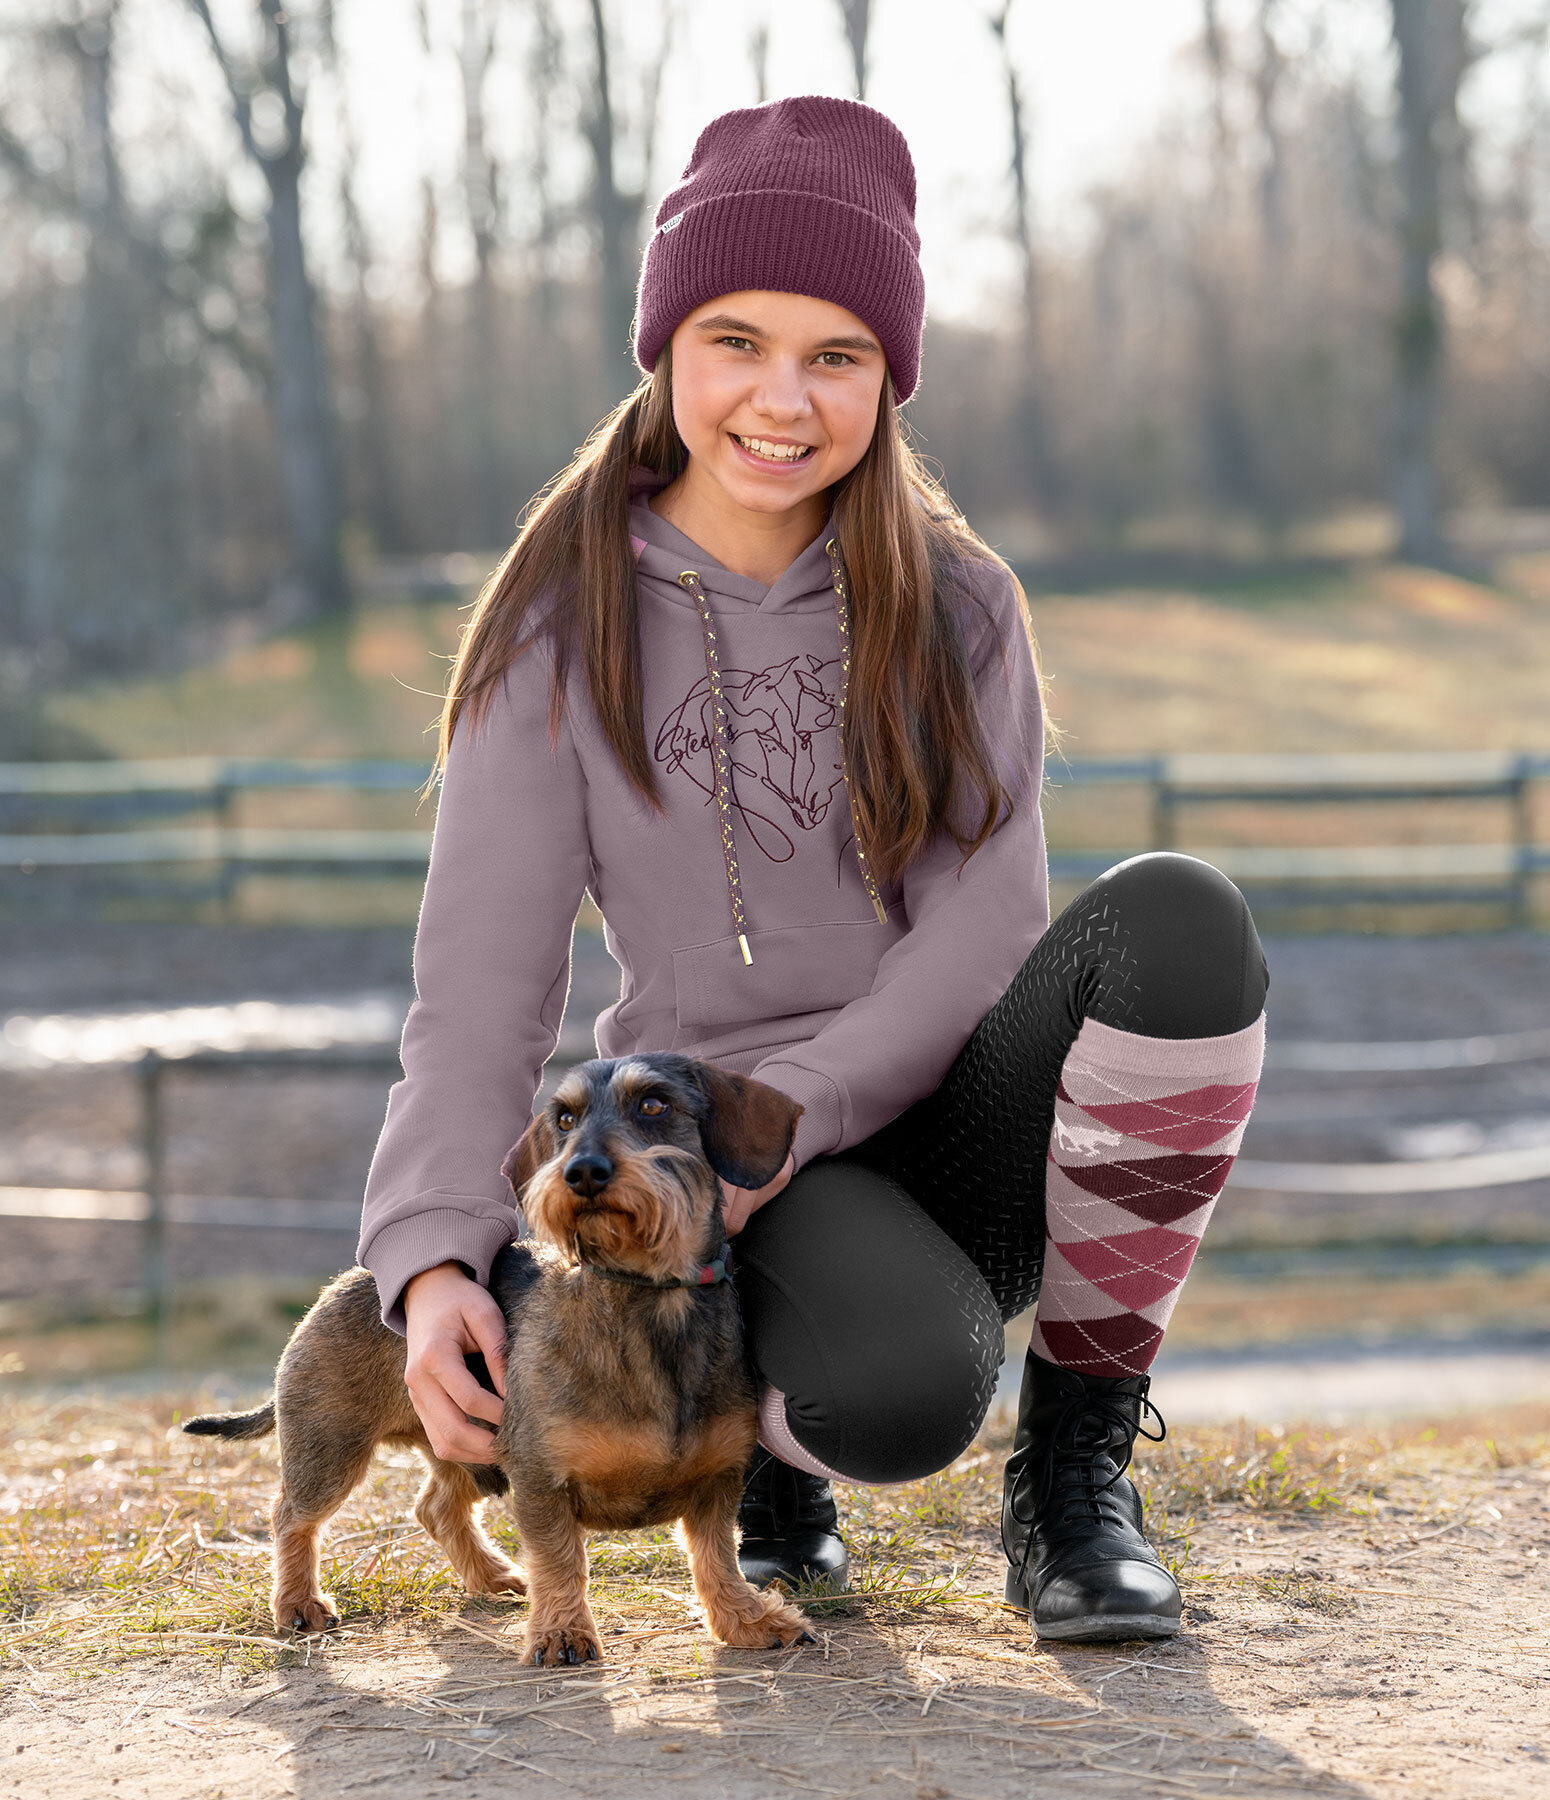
pixel 121 1538
pixel 1381 658
pixel 1386 657
pixel 1363 1614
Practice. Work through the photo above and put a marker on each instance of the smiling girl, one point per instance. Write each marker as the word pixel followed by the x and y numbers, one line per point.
pixel 749 679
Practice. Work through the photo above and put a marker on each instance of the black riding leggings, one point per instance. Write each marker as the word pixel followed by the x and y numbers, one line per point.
pixel 876 1284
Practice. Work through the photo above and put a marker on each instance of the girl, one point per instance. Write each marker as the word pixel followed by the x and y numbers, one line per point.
pixel 748 678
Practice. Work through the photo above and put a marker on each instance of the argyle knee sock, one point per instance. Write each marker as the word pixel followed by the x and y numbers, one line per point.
pixel 1145 1132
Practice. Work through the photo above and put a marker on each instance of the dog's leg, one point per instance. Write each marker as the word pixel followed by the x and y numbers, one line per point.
pixel 317 1475
pixel 736 1611
pixel 445 1508
pixel 560 1626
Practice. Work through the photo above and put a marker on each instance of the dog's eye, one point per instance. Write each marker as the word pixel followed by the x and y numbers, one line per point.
pixel 565 1119
pixel 654 1108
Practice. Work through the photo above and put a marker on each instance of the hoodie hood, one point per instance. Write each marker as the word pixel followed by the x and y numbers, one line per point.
pixel 662 553
pixel 680 570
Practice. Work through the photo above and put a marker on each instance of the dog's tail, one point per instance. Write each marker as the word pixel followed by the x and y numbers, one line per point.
pixel 256 1424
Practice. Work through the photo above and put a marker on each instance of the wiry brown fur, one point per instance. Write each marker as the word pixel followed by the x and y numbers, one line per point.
pixel 625 1405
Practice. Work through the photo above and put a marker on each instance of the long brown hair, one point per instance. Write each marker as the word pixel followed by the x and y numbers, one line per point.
pixel 916 751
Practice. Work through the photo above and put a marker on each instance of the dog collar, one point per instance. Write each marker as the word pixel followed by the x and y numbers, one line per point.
pixel 709 1274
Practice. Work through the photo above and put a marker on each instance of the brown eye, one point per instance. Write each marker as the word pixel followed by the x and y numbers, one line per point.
pixel 654 1108
pixel 565 1119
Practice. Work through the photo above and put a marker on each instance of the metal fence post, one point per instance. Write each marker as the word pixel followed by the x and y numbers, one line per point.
pixel 221 801
pixel 158 1274
pixel 1521 908
pixel 1164 818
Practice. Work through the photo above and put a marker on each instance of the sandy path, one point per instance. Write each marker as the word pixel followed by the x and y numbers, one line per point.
pixel 1400 1651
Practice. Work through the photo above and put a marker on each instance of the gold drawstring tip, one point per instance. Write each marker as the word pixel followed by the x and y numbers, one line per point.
pixel 880 910
pixel 743 943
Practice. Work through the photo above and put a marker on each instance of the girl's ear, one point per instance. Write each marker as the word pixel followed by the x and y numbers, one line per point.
pixel 530 1152
pixel 747 1126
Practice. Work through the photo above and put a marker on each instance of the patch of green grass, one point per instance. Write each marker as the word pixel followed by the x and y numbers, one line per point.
pixel 1263 1469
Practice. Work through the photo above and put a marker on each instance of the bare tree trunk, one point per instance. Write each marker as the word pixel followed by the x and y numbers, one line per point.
pixel 377 431
pixel 482 372
pixel 306 431
pixel 1429 35
pixel 375 440
pixel 1216 63
pixel 615 209
pixel 858 18
pixel 759 56
pixel 1229 443
pixel 545 66
pixel 613 212
pixel 101 584
pixel 1035 423
pixel 1272 179
pixel 65 425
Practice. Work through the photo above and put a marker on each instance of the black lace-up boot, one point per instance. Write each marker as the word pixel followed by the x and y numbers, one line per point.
pixel 1070 1517
pixel 789 1527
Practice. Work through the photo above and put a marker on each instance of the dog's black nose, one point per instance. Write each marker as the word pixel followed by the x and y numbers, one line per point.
pixel 587 1171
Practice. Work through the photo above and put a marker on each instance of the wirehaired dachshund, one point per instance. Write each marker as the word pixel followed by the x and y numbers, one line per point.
pixel 629 1399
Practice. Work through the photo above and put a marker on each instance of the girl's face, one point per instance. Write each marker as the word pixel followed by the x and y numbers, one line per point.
pixel 775 395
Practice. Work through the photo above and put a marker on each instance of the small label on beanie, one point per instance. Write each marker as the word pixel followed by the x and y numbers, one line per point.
pixel 670 224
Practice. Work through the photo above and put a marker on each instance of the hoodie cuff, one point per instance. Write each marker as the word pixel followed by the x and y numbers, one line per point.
pixel 407 1247
pixel 818 1129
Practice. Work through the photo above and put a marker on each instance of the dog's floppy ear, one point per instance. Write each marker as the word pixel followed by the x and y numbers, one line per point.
pixel 528 1154
pixel 747 1128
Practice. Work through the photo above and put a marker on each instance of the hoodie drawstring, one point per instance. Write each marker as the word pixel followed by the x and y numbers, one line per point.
pixel 720 753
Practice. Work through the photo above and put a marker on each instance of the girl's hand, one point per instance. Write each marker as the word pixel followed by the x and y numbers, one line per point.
pixel 448 1314
pixel 740 1204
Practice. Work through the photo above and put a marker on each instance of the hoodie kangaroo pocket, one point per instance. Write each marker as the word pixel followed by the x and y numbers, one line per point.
pixel 796 969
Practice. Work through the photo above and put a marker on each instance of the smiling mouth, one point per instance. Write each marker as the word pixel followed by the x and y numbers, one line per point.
pixel 770 452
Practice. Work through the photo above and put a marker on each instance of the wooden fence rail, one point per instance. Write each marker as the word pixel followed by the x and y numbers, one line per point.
pixel 107 817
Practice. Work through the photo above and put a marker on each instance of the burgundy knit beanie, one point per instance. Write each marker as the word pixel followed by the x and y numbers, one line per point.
pixel 807 195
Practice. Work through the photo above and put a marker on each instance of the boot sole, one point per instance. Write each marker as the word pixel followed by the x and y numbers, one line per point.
pixel 1107 1628
pixel 1091 1628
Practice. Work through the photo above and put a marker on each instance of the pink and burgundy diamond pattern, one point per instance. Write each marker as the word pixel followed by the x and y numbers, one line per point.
pixel 1145 1132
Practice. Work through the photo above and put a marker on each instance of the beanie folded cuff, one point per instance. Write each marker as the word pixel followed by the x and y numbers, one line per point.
pixel 773 239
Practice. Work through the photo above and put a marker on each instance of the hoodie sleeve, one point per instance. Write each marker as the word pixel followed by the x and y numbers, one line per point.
pixel 966 937
pixel 508 867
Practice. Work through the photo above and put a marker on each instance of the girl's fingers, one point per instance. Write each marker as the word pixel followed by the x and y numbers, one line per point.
pixel 452 1437
pixel 486 1325
pixel 452 1374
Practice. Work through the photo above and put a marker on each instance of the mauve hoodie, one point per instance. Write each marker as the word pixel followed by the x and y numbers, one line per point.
pixel 853 1017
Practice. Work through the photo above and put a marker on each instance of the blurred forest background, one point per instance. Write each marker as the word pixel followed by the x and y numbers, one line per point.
pixel 1311 321
pixel 1237 346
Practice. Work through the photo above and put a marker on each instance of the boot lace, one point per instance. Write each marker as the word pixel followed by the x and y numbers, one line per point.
pixel 1084 1432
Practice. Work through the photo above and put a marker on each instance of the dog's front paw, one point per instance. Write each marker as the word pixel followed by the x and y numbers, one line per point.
pixel 305 1612
pixel 574 1642
pixel 768 1624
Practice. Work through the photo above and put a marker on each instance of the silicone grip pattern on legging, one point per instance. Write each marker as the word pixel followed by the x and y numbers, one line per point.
pixel 1141 949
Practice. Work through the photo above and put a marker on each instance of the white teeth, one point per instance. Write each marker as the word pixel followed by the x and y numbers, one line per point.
pixel 774 452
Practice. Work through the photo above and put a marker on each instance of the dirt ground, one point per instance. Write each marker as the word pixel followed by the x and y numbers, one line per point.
pixel 1365 1616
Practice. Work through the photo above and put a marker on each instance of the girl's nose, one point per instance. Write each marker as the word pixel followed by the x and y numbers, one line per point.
pixel 782 391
